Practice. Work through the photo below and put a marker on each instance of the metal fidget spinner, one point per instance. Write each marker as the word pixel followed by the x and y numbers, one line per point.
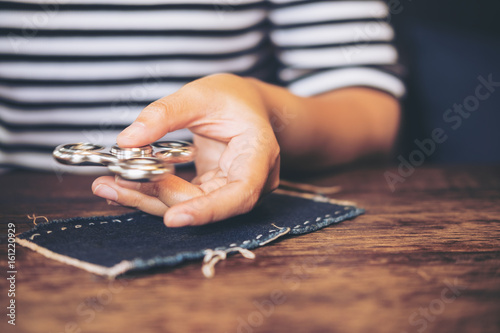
pixel 146 163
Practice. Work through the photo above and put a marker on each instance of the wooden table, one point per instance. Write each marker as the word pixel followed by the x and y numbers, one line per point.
pixel 425 258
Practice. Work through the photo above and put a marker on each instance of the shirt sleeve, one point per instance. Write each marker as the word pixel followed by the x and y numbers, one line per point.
pixel 327 45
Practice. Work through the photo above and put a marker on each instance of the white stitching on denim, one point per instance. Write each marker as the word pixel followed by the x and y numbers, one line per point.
pixel 78 226
pixel 125 266
pixel 287 230
pixel 232 245
pixel 212 257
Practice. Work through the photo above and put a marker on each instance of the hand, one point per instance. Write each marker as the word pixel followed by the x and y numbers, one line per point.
pixel 237 160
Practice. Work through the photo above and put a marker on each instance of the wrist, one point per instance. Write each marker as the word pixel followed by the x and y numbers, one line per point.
pixel 333 128
pixel 286 112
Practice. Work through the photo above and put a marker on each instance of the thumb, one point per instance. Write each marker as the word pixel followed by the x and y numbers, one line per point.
pixel 165 115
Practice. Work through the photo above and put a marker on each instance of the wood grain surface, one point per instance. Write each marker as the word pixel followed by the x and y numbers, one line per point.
pixel 425 258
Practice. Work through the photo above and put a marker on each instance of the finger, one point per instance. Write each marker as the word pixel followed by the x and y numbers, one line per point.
pixel 198 180
pixel 112 203
pixel 208 175
pixel 247 178
pixel 273 181
pixel 170 190
pixel 213 184
pixel 170 113
pixel 230 200
pixel 107 188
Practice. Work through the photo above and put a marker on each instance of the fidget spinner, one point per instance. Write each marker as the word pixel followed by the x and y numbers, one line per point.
pixel 146 163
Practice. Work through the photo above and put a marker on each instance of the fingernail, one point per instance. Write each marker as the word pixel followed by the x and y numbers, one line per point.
pixel 106 192
pixel 179 220
pixel 134 130
pixel 112 203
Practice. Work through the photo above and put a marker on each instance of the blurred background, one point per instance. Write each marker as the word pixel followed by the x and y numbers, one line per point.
pixel 445 46
pixel 450 51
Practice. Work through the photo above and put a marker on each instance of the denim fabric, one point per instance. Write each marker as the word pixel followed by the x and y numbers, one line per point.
pixel 139 241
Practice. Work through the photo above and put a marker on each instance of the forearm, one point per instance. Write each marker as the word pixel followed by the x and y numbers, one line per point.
pixel 333 128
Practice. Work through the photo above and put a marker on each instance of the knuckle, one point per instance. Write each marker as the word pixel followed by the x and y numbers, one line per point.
pixel 156 111
pixel 251 79
pixel 274 184
pixel 158 106
pixel 154 189
pixel 210 217
pixel 133 201
pixel 276 153
pixel 223 76
pixel 210 84
pixel 194 88
pixel 276 146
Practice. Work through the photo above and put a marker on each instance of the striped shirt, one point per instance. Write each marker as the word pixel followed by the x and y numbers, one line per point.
pixel 82 70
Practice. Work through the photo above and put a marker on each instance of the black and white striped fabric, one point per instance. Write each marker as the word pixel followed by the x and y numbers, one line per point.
pixel 82 70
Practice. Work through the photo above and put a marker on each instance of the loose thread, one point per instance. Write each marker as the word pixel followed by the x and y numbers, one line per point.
pixel 246 253
pixel 34 218
pixel 286 231
pixel 274 225
pixel 213 257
